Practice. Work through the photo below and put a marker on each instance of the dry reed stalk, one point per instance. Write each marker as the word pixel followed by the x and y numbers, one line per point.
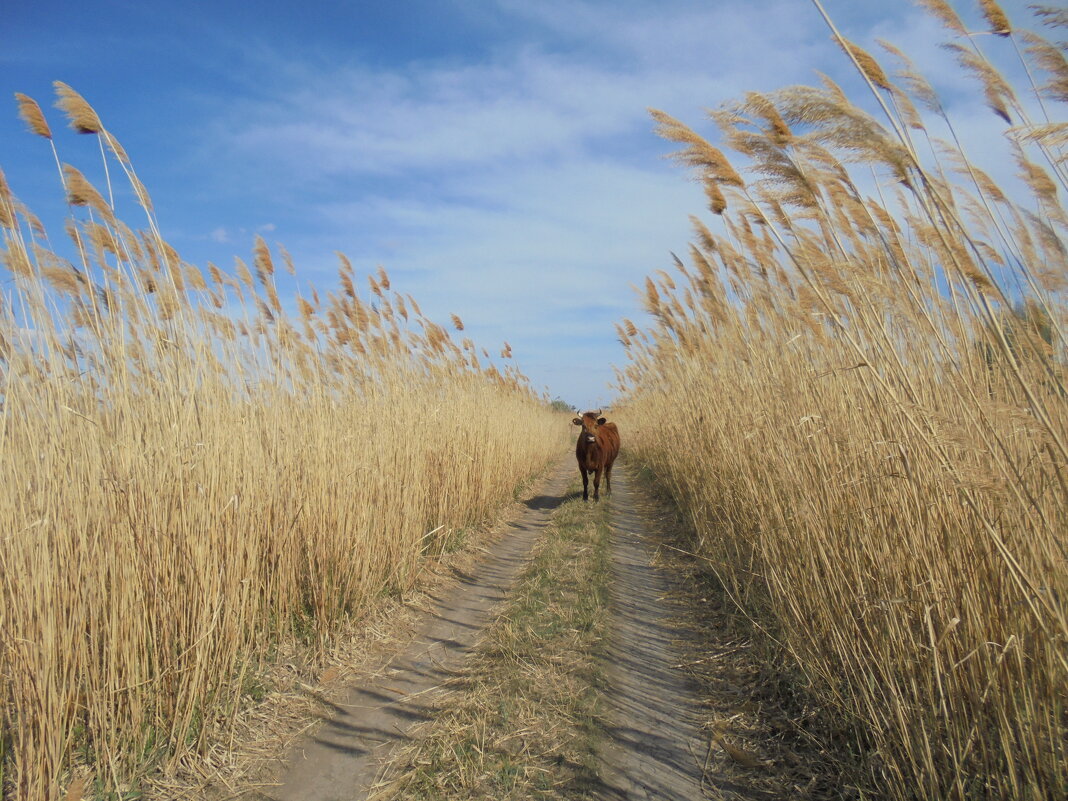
pixel 874 458
pixel 186 488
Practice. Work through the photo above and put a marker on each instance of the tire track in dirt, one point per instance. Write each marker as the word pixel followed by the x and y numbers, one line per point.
pixel 664 719
pixel 652 733
pixel 341 759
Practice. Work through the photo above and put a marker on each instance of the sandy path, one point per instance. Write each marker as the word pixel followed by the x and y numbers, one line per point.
pixel 341 759
pixel 652 748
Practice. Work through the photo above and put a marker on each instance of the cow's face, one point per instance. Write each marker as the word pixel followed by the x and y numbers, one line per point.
pixel 589 425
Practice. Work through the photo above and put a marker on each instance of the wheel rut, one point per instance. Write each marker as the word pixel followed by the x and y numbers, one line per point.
pixel 341 760
pixel 652 731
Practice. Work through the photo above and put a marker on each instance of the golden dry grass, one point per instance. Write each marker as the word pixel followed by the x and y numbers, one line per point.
pixel 191 473
pixel 860 402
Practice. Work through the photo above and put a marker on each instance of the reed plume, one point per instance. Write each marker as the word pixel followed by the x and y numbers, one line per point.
pixel 698 152
pixel 995 18
pixel 82 193
pixel 153 568
pixel 80 114
pixel 943 11
pixel 33 116
pixel 868 65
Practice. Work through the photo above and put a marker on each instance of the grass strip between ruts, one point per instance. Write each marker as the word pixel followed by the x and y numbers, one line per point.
pixel 521 720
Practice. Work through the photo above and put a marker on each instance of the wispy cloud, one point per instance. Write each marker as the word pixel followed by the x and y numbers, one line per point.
pixel 534 102
pixel 515 181
pixel 523 191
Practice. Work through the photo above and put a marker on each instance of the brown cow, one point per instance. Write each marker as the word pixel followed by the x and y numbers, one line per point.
pixel 596 450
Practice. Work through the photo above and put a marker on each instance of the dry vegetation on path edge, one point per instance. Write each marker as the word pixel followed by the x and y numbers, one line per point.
pixel 197 477
pixel 855 388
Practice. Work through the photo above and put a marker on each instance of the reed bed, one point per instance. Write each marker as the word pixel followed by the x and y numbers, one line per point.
pixel 192 473
pixel 859 399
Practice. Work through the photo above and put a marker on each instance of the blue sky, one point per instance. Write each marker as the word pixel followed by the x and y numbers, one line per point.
pixel 495 156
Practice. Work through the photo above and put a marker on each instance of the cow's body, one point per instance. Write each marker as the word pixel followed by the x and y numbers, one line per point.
pixel 596 450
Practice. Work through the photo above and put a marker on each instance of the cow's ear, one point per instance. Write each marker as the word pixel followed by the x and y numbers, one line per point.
pixel 601 421
pixel 576 422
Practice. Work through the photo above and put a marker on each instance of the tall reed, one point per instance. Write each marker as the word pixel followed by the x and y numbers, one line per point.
pixel 189 472
pixel 859 398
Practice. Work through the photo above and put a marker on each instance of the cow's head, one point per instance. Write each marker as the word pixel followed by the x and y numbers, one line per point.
pixel 589 422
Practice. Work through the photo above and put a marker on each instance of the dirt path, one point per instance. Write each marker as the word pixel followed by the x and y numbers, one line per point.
pixel 652 745
pixel 341 759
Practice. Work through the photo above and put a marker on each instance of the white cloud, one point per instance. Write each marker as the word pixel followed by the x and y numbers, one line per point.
pixel 523 192
pixel 539 242
pixel 533 102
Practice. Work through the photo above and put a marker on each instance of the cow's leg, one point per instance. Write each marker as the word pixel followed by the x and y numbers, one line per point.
pixel 585 484
pixel 608 479
pixel 597 485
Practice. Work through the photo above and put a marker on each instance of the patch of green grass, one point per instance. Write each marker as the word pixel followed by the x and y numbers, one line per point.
pixel 522 721
pixel 456 541
pixel 254 686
